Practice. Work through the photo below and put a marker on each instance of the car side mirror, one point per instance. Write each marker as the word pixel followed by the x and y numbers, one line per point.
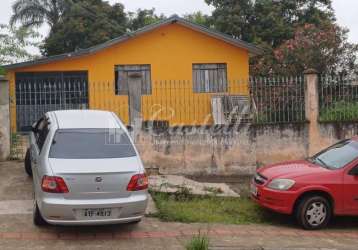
pixel 130 128
pixel 354 171
pixel 33 128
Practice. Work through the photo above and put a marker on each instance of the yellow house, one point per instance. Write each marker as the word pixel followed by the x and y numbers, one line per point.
pixel 168 71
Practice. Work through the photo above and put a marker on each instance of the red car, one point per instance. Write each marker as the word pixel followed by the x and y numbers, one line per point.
pixel 314 189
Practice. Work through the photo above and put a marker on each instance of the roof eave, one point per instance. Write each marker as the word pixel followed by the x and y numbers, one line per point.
pixel 252 49
pixel 46 60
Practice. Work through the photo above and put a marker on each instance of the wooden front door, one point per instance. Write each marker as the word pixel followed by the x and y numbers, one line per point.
pixel 135 98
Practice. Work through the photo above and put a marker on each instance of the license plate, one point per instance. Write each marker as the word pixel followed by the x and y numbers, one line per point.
pixel 253 189
pixel 97 213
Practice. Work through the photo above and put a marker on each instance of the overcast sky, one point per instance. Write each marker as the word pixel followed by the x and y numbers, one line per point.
pixel 346 10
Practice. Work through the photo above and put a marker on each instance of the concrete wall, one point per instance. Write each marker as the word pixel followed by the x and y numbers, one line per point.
pixel 237 152
pixel 230 152
pixel 4 119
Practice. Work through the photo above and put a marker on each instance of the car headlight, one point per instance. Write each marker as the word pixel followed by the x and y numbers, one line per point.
pixel 281 184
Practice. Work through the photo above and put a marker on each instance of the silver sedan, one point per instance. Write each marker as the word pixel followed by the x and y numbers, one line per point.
pixel 86 170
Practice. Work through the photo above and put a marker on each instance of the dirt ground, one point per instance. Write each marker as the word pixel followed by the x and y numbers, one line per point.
pixel 18 232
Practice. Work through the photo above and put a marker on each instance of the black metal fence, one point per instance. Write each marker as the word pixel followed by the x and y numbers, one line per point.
pixel 278 99
pixel 338 98
pixel 173 103
pixel 39 93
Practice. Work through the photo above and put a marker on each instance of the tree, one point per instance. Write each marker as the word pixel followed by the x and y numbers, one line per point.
pixel 268 21
pixel 325 48
pixel 199 18
pixel 142 18
pixel 84 24
pixel 233 17
pixel 32 13
pixel 276 21
pixel 280 27
pixel 13 44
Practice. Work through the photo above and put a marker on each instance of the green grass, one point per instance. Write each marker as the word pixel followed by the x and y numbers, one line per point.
pixel 211 209
pixel 340 111
pixel 198 242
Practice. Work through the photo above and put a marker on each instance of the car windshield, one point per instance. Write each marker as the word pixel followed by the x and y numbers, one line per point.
pixel 338 155
pixel 91 144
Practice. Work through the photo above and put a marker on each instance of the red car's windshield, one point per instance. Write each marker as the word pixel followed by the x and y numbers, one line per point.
pixel 338 155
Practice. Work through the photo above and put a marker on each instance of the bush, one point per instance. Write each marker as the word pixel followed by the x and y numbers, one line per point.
pixel 16 152
pixel 198 242
pixel 340 111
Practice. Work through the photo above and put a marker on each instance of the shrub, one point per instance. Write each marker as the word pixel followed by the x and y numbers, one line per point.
pixel 340 111
pixel 198 242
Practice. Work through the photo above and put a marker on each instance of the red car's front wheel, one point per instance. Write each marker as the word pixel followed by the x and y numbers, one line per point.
pixel 313 212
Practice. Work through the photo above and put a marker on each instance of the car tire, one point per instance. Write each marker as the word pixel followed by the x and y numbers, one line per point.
pixel 27 163
pixel 37 217
pixel 313 212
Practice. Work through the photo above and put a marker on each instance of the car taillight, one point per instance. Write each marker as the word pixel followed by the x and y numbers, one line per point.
pixel 53 184
pixel 138 182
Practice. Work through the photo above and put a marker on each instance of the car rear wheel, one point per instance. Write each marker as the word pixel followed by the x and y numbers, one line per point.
pixel 134 222
pixel 37 217
pixel 27 163
pixel 313 212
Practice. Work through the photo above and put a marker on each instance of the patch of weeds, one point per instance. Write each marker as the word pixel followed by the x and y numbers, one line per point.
pixel 16 152
pixel 189 208
pixel 198 242
pixel 339 111
pixel 183 193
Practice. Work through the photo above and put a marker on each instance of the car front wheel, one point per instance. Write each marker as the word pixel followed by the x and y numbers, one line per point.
pixel 27 163
pixel 313 212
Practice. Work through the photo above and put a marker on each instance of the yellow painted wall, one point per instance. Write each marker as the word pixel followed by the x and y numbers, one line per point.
pixel 170 50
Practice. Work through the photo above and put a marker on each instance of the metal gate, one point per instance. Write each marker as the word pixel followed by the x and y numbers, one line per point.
pixel 40 92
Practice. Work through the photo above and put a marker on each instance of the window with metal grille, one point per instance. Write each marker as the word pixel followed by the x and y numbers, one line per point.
pixel 210 78
pixel 122 73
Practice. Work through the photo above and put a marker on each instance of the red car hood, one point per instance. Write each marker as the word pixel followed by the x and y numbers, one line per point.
pixel 290 169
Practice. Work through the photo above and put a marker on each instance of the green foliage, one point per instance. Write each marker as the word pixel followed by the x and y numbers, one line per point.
pixel 266 21
pixel 84 24
pixel 295 35
pixel 234 17
pixel 142 18
pixel 79 24
pixel 32 13
pixel 16 152
pixel 324 48
pixel 13 43
pixel 2 71
pixel 198 242
pixel 340 111
pixel 183 194
pixel 199 18
pixel 210 209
